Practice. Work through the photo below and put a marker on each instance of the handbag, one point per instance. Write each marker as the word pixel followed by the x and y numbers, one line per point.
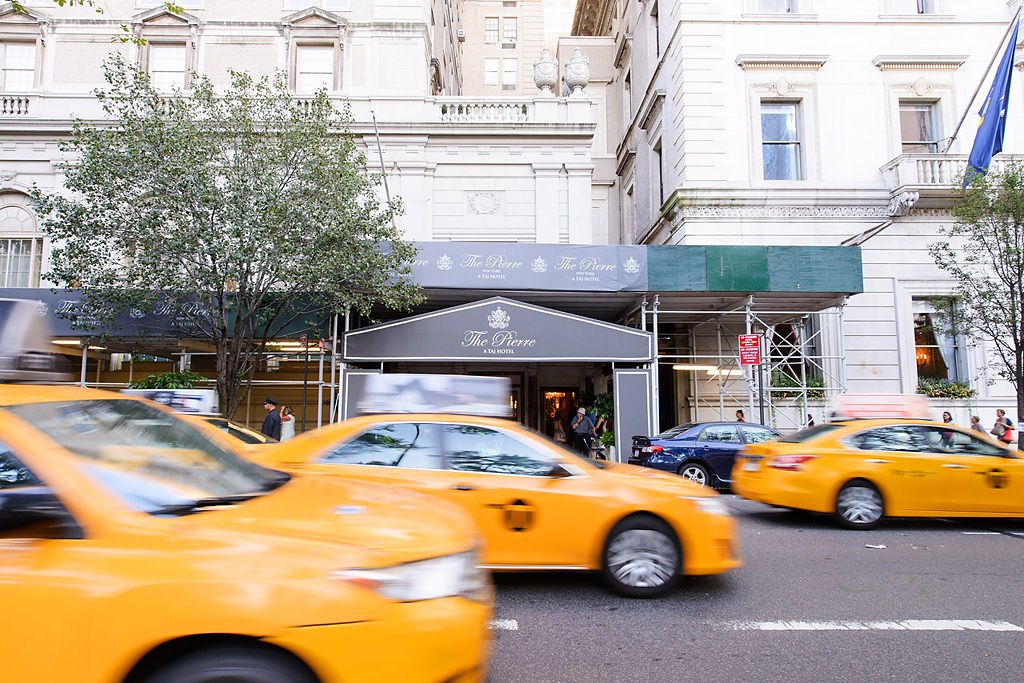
pixel 998 429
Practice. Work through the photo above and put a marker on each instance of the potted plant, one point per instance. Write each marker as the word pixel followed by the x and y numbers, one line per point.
pixel 607 441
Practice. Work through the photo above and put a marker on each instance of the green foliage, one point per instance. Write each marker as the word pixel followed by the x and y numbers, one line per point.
pixel 607 439
pixel 243 213
pixel 185 379
pixel 944 388
pixel 784 381
pixel 604 404
pixel 983 254
pixel 126 35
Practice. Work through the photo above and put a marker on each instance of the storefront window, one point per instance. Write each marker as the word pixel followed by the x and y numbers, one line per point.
pixel 937 352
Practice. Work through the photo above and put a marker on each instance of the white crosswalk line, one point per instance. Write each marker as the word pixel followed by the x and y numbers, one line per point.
pixel 505 624
pixel 903 625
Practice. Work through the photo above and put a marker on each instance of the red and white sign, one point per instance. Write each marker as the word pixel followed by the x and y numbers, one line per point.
pixel 750 349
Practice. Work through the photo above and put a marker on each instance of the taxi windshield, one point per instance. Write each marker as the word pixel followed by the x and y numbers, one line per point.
pixel 152 461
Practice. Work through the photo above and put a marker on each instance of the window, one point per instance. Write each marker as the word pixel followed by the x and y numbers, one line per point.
pixel 918 129
pixel 491 71
pixel 780 141
pixel 510 29
pixel 940 440
pixel 19 67
pixel 900 438
pixel 509 72
pixel 21 249
pixel 480 449
pixel 490 29
pixel 314 68
pixel 936 351
pixel 387 445
pixel 167 66
pixel 758 435
pixel 657 176
pixel 720 434
pixel 13 474
pixel 776 6
pixel 655 29
pixel 926 6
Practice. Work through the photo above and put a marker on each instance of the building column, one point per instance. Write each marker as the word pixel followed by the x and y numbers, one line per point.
pixel 416 188
pixel 546 200
pixel 581 203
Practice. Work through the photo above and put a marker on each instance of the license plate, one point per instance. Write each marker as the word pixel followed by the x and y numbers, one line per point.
pixel 751 466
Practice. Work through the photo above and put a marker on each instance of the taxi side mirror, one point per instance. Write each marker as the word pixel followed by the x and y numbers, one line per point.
pixel 28 506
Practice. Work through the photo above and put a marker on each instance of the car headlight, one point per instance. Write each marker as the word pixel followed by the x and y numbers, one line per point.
pixel 440 577
pixel 712 506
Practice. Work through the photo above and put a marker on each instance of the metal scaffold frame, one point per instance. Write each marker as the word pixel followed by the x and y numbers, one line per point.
pixel 803 360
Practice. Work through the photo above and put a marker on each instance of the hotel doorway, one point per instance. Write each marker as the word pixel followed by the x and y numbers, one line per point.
pixel 559 404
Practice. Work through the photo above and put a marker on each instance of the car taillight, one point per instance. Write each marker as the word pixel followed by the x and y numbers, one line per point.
pixel 790 463
pixel 651 450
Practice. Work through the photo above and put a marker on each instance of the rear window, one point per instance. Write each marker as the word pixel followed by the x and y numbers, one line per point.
pixel 675 431
pixel 809 433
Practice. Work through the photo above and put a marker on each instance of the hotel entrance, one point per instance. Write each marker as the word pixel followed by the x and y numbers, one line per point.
pixel 558 405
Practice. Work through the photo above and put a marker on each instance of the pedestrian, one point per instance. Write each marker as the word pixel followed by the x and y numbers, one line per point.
pixel 583 431
pixel 946 417
pixel 287 423
pixel 740 417
pixel 559 434
pixel 810 420
pixel 272 422
pixel 1003 427
pixel 947 436
pixel 976 424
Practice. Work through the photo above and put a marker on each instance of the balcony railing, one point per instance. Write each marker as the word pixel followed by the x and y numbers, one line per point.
pixel 922 171
pixel 49 107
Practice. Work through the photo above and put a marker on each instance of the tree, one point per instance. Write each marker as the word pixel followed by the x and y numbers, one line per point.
pixel 245 212
pixel 984 256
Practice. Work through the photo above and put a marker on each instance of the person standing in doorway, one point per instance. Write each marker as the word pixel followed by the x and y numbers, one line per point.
pixel 583 431
pixel 287 423
pixel 272 422
pixel 740 417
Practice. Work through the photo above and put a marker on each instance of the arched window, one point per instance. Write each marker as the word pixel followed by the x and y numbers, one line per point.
pixel 21 247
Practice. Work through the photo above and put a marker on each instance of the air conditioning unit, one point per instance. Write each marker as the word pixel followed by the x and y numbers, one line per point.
pixel 461 35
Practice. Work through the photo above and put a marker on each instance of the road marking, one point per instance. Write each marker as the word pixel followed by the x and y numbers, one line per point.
pixel 505 624
pixel 906 625
pixel 981 533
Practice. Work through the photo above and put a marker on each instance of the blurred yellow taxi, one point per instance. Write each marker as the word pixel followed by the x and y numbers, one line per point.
pixel 864 470
pixel 538 505
pixel 133 548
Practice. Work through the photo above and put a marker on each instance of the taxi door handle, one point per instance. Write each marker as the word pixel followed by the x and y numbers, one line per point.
pixel 878 461
pixel 462 487
pixel 952 466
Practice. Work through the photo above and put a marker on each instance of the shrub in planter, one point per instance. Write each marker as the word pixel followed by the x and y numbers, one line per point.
pixel 607 439
pixel 944 388
pixel 185 379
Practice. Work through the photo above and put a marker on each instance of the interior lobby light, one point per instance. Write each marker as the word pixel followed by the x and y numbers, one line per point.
pixel 726 372
pixel 689 367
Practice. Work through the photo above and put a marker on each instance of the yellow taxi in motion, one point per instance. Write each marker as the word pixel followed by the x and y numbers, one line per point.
pixel 538 505
pixel 865 470
pixel 242 438
pixel 135 548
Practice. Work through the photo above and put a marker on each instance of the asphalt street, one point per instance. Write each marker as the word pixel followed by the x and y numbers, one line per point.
pixel 914 600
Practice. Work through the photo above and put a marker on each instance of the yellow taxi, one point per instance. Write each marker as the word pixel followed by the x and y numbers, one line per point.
pixel 135 548
pixel 538 505
pixel 864 470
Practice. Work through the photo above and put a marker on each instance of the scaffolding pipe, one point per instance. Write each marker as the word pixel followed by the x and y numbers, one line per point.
pixel 655 389
pixel 750 369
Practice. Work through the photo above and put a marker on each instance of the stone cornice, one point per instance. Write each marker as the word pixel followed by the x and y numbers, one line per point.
pixel 781 62
pixel 919 62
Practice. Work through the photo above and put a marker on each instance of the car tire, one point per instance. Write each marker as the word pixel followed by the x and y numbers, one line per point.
pixel 695 472
pixel 642 557
pixel 233 665
pixel 859 505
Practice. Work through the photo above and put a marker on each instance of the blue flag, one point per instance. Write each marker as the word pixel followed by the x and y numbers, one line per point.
pixel 989 138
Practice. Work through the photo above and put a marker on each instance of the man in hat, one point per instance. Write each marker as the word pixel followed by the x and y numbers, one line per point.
pixel 583 431
pixel 272 422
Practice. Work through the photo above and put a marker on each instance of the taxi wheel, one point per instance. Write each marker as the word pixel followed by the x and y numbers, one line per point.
pixel 233 665
pixel 698 474
pixel 642 557
pixel 859 506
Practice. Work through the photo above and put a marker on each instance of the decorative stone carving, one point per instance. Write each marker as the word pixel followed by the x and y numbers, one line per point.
pixel 483 203
pixel 902 203
pixel 577 72
pixel 921 87
pixel 545 72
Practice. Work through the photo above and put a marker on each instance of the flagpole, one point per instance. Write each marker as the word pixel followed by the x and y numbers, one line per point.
pixel 981 82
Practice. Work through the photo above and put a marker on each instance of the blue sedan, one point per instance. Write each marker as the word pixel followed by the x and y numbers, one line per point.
pixel 703 452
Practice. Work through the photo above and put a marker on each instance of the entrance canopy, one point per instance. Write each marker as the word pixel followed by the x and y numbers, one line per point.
pixel 498 329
